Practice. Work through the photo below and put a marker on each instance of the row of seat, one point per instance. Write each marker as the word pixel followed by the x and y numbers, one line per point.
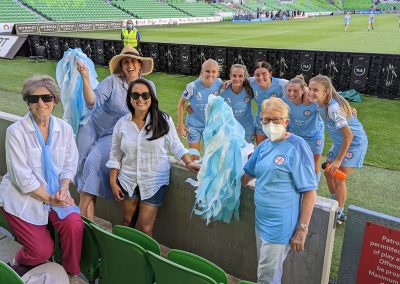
pixel 126 255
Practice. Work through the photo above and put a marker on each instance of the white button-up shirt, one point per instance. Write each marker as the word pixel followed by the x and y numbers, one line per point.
pixel 24 167
pixel 140 161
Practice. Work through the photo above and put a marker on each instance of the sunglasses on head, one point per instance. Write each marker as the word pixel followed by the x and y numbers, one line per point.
pixel 35 99
pixel 136 95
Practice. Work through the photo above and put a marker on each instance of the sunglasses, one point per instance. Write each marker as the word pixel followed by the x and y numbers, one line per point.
pixel 35 99
pixel 136 95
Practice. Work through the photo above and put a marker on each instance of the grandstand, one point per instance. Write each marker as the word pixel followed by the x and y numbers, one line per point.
pixel 73 10
pixel 194 9
pixel 357 4
pixel 149 9
pixel 11 11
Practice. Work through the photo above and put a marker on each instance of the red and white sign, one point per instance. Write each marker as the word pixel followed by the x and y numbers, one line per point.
pixel 6 28
pixel 380 256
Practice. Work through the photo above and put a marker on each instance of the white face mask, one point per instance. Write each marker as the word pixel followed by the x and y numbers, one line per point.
pixel 274 131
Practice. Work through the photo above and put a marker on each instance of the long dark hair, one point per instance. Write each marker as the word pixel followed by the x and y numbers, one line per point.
pixel 158 119
pixel 246 83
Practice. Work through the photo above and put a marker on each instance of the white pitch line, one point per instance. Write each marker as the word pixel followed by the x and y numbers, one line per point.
pixel 239 38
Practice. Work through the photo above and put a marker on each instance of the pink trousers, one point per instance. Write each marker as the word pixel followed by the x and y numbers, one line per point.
pixel 38 246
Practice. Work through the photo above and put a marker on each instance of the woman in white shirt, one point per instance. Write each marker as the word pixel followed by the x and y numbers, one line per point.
pixel 41 157
pixel 139 161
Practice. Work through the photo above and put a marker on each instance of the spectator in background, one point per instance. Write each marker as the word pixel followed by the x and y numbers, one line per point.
pixel 129 35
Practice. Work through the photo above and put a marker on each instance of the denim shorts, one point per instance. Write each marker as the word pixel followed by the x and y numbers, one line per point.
pixel 156 200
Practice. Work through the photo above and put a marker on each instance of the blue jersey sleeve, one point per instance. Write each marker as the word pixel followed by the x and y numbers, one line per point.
pixel 250 165
pixel 302 167
pixel 188 92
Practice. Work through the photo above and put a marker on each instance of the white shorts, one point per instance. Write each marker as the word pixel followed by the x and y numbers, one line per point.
pixel 270 261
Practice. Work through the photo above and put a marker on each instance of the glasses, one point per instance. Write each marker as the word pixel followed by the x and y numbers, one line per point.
pixel 136 95
pixel 35 99
pixel 265 120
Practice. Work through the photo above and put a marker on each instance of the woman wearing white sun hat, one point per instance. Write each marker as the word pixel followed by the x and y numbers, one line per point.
pixel 108 102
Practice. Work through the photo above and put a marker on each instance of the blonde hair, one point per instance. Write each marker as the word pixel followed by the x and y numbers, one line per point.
pixel 299 80
pixel 276 103
pixel 332 93
pixel 207 63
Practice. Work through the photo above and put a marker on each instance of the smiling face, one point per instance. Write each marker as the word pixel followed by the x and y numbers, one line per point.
pixel 295 93
pixel 317 93
pixel 41 110
pixel 209 74
pixel 140 105
pixel 238 75
pixel 131 68
pixel 263 76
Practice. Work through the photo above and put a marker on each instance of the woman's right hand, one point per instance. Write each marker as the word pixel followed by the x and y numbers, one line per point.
pixel 83 70
pixel 117 192
pixel 182 130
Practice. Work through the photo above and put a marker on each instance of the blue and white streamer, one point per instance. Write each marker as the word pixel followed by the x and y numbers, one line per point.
pixel 70 82
pixel 218 193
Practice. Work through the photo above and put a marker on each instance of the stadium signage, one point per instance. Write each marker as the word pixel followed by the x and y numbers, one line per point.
pixel 6 44
pixel 85 26
pixel 48 28
pixel 305 66
pixel 34 28
pixel 27 28
pixel 116 25
pixel 359 70
pixel 6 28
pixel 380 255
pixel 67 27
pixel 101 26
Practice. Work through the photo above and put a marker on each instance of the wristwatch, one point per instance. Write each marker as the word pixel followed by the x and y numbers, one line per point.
pixel 303 226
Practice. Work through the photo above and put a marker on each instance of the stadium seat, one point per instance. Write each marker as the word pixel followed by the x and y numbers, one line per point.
pixel 121 260
pixel 167 272
pixel 199 264
pixel 137 237
pixel 90 256
pixel 8 275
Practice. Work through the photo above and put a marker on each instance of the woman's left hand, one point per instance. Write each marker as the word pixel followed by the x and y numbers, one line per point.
pixel 298 239
pixel 193 167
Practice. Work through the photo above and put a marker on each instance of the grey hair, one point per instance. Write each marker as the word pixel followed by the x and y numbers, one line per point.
pixel 38 81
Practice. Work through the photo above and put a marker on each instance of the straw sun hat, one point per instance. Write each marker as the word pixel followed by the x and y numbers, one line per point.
pixel 128 51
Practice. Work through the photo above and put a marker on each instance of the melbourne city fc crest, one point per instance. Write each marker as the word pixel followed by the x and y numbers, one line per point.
pixel 246 100
pixel 319 142
pixel 349 155
pixel 279 160
pixel 307 112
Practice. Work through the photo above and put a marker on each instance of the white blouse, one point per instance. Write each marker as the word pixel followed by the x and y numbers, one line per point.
pixel 142 162
pixel 24 167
